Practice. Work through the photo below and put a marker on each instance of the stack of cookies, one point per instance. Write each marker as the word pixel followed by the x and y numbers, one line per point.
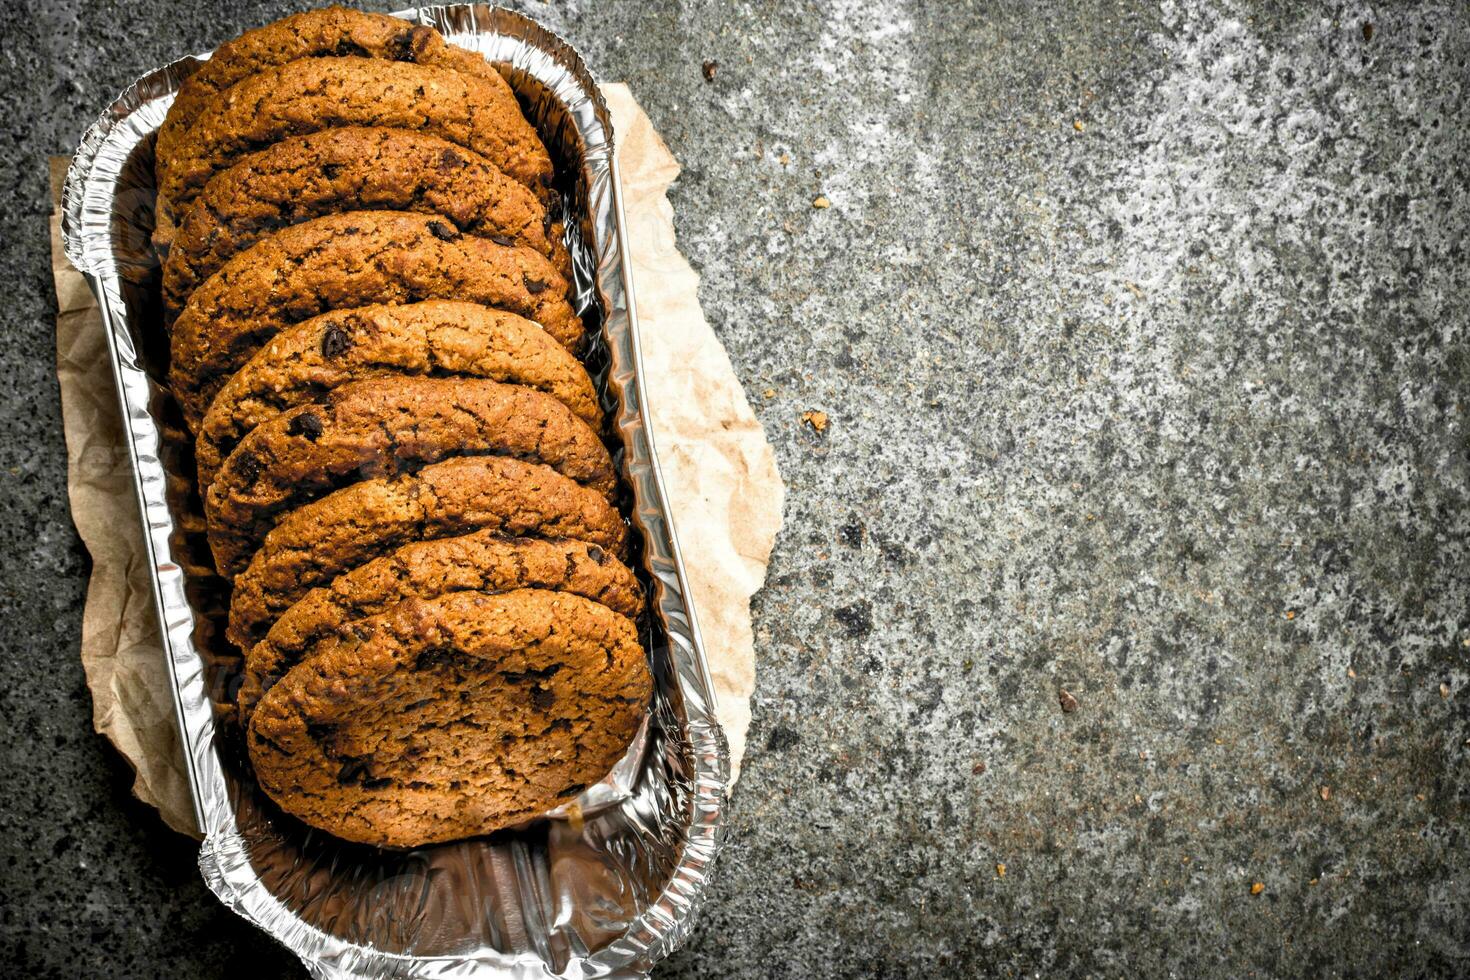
pixel 398 448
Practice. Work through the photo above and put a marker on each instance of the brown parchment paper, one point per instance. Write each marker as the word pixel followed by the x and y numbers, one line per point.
pixel 719 470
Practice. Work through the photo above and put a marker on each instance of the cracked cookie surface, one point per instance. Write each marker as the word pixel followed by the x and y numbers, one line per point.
pixel 330 32
pixel 349 260
pixel 351 169
pixel 434 338
pixel 451 717
pixel 381 427
pixel 480 562
pixel 314 544
pixel 314 94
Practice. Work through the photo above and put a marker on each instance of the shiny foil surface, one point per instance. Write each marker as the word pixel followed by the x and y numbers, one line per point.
pixel 607 885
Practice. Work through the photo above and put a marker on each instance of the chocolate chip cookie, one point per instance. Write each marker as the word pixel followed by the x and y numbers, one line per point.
pixel 330 32
pixel 315 94
pixel 347 528
pixel 381 427
pixel 480 562
pixel 351 169
pixel 451 717
pixel 435 337
pixel 343 261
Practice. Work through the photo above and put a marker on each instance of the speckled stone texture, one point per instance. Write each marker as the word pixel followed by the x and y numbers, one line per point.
pixel 1142 337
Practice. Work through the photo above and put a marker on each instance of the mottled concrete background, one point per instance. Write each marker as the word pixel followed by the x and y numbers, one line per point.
pixel 1142 337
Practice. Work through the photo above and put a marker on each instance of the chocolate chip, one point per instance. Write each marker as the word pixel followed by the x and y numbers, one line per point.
pixel 247 466
pixel 331 170
pixel 347 49
pixel 402 45
pixel 502 240
pixel 449 161
pixel 334 342
pixel 442 231
pixel 597 554
pixel 307 424
pixel 534 286
pixel 542 698
pixel 709 69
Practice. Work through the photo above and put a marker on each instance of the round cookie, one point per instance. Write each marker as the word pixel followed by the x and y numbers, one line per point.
pixel 330 32
pixel 314 94
pixel 351 169
pixel 381 427
pixel 349 260
pixel 435 337
pixel 313 545
pixel 480 562
pixel 452 717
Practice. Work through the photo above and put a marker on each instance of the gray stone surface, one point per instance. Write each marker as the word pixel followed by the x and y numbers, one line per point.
pixel 1142 333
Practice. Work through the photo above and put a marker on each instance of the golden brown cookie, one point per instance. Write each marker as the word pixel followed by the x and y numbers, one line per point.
pixel 343 261
pixel 480 562
pixel 381 427
pixel 330 32
pixel 436 337
pixel 315 94
pixel 313 545
pixel 452 717
pixel 351 169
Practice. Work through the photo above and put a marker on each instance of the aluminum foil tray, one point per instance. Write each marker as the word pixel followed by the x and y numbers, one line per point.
pixel 609 884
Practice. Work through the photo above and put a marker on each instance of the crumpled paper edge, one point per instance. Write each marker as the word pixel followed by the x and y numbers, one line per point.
pixel 121 649
pixel 719 471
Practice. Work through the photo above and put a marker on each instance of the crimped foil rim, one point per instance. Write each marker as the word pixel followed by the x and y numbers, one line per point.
pixel 87 200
